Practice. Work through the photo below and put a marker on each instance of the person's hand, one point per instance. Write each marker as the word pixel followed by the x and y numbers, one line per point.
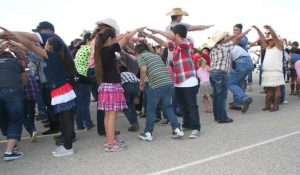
pixel 255 27
pixel 153 31
pixel 267 27
pixel 142 86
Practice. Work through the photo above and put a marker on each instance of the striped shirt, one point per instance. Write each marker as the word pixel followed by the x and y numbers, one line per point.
pixel 157 72
pixel 128 77
pixel 220 57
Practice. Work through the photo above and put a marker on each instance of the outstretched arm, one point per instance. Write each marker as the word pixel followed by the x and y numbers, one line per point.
pixel 168 35
pixel 122 42
pixel 199 27
pixel 261 36
pixel 17 37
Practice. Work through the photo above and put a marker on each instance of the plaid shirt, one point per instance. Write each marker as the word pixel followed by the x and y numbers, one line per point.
pixel 31 90
pixel 182 61
pixel 220 57
pixel 128 77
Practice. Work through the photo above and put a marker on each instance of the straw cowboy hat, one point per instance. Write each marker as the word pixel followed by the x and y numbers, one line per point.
pixel 177 12
pixel 215 38
pixel 110 22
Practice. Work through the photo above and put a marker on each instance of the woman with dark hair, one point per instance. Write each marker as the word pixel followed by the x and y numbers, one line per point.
pixel 59 67
pixel 111 94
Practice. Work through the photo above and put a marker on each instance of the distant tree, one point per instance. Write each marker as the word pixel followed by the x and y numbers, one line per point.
pixel 84 32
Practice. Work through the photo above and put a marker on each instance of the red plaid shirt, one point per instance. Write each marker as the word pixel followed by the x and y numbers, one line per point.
pixel 182 60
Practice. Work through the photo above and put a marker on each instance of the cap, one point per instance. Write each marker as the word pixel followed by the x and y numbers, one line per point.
pixel 44 25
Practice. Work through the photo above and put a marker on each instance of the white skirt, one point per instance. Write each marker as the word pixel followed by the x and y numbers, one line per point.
pixel 272 79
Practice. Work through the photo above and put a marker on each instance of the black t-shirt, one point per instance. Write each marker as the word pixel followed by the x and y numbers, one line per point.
pixel 55 71
pixel 111 73
pixel 10 73
pixel 45 36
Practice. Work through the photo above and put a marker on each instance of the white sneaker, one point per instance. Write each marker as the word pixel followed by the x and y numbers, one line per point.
pixel 34 136
pixel 63 152
pixel 177 133
pixel 58 149
pixel 194 134
pixel 146 136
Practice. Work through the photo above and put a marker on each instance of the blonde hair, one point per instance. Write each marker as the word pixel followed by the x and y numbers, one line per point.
pixel 201 62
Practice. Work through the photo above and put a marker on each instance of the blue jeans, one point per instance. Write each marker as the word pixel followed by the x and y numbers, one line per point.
pixel 188 101
pixel 145 95
pixel 282 93
pixel 28 119
pixel 243 66
pixel 161 94
pixel 131 90
pixel 83 116
pixel 11 107
pixel 219 83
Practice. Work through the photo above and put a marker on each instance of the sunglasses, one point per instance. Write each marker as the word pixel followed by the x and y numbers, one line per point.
pixel 267 33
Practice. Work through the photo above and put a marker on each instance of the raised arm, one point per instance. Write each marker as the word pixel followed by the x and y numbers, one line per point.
pixel 124 39
pixel 17 37
pixel 156 39
pixel 277 41
pixel 237 38
pixel 168 35
pixel 261 36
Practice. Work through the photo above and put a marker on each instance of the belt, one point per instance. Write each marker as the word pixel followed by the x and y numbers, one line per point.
pixel 220 71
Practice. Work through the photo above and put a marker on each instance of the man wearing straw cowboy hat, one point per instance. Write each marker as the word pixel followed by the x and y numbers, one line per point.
pixel 221 46
pixel 176 18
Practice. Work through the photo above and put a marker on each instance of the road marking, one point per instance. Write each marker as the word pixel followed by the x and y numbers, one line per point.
pixel 224 154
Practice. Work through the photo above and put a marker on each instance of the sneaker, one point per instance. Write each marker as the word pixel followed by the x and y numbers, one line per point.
pixel 34 136
pixel 177 133
pixel 157 121
pixel 285 102
pixel 194 134
pixel 50 131
pixel 62 151
pixel 121 142
pixel 114 147
pixel 14 155
pixel 146 136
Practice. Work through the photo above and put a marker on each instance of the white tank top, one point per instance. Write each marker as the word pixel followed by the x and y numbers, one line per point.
pixel 273 60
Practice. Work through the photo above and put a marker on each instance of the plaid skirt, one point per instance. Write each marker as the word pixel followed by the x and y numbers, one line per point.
pixel 111 97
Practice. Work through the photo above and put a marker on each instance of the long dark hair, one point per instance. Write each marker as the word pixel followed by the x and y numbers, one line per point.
pixel 101 38
pixel 64 54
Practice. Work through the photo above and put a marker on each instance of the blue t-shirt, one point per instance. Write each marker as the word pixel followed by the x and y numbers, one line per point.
pixel 55 71
pixel 295 57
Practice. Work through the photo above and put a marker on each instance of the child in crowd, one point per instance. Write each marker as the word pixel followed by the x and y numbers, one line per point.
pixel 112 97
pixel 60 66
pixel 205 87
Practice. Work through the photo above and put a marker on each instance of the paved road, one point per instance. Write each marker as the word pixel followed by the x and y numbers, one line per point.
pixel 256 143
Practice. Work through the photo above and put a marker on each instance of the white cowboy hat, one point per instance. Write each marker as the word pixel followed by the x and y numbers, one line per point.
pixel 110 22
pixel 177 12
pixel 215 38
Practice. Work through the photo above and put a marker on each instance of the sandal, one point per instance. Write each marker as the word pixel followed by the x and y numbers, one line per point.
pixel 208 110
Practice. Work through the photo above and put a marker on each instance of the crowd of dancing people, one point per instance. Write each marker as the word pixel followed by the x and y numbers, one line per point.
pixel 41 78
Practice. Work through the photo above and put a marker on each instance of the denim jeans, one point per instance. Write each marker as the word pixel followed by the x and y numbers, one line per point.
pixel 243 66
pixel 28 117
pixel 145 95
pixel 11 107
pixel 282 93
pixel 219 83
pixel 40 103
pixel 131 90
pixel 188 101
pixel 83 116
pixel 163 94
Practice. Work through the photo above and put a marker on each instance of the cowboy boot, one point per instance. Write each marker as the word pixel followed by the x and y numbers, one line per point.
pixel 292 89
pixel 267 103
